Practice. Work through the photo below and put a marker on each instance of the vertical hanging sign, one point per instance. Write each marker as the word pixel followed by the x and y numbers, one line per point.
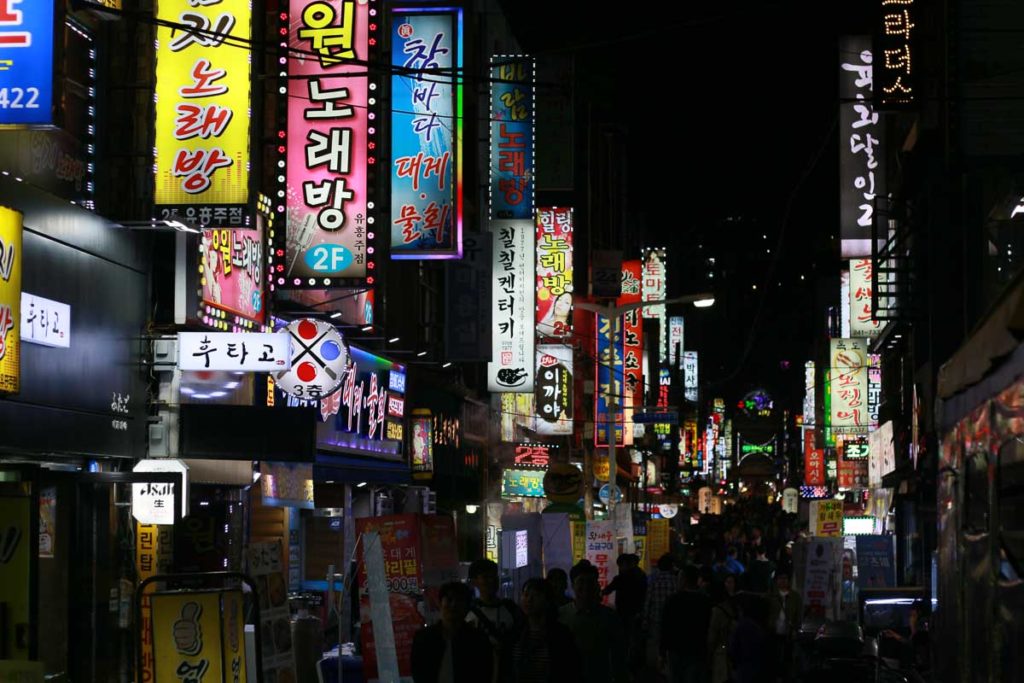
pixel 426 133
pixel 203 112
pixel 512 339
pixel 330 135
pixel 609 382
pixel 10 300
pixel 895 48
pixel 554 272
pixel 861 322
pixel 690 375
pixel 554 389
pixel 675 341
pixel 512 136
pixel 632 335
pixel 849 386
pixel 655 284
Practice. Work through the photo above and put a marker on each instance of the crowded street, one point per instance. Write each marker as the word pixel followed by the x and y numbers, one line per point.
pixel 510 341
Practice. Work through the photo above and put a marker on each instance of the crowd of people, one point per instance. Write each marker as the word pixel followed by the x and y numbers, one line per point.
pixel 719 608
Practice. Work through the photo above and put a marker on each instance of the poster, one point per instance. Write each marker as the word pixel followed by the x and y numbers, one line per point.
pixel 601 549
pixel 829 520
pixel 822 574
pixel 275 631
pixel 47 521
pixel 876 567
pixel 554 272
pixel 10 300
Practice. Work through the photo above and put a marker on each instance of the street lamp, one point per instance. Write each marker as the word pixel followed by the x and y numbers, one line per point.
pixel 702 300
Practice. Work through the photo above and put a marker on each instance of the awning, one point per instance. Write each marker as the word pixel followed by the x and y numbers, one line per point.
pixel 352 468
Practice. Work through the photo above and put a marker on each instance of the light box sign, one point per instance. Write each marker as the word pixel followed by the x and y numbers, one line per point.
pixel 862 324
pixel 361 406
pixel 203 111
pixel 512 136
pixel 849 386
pixel 874 389
pixel 422 441
pixel 45 322
pixel 861 147
pixel 632 332
pixel 655 284
pixel 238 351
pixel 809 418
pixel 519 483
pixel 26 57
pixel 329 137
pixel 533 454
pixel 512 310
pixel 896 48
pixel 814 461
pixel 690 369
pixel 231 271
pixel 10 300
pixel 609 381
pixel 426 133
pixel 554 389
pixel 676 342
pixel 554 272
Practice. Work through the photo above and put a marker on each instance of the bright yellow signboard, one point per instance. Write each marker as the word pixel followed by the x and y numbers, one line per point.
pixel 203 111
pixel 10 300
pixel 187 635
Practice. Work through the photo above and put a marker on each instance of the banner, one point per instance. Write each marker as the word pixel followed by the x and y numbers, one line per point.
pixel 329 141
pixel 512 136
pixel 512 310
pixel 426 133
pixel 554 272
pixel 861 147
pixel 602 550
pixel 26 54
pixel 821 580
pixel 10 300
pixel 655 286
pixel 554 389
pixel 849 386
pixel 203 104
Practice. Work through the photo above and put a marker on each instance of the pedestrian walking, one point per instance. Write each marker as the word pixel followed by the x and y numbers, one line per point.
pixel 595 628
pixel 545 651
pixel 684 630
pixel 499 619
pixel 724 617
pixel 452 651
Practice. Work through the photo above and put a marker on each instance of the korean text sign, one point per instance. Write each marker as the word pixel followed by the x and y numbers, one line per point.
pixel 632 331
pixel 512 106
pixel 10 300
pixel 609 382
pixel 361 405
pixel 554 272
pixel 862 324
pixel 655 284
pixel 512 310
pixel 522 483
pixel 690 375
pixel 426 133
pixel 814 461
pixel 187 636
pixel 203 111
pixel 231 271
pixel 327 133
pixel 26 55
pixel 861 140
pixel 895 49
pixel 849 386
pixel 554 389
pixel 247 352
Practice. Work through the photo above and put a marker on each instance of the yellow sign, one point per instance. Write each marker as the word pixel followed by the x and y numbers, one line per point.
pixel 203 101
pixel 233 639
pixel 153 549
pixel 657 539
pixel 830 518
pixel 15 559
pixel 579 541
pixel 602 468
pixel 187 634
pixel 10 301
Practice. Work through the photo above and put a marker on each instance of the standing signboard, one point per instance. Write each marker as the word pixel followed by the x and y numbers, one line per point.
pixel 265 565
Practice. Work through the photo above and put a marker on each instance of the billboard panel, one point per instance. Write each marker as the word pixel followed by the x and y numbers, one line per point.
pixel 328 201
pixel 609 381
pixel 231 271
pixel 554 389
pixel 203 112
pixel 10 300
pixel 512 310
pixel 849 386
pixel 690 376
pixel 26 55
pixel 554 272
pixel 512 136
pixel 633 332
pixel 655 285
pixel 861 322
pixel 426 133
pixel 861 146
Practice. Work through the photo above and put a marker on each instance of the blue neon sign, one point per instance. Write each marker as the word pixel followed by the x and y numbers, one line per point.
pixel 26 62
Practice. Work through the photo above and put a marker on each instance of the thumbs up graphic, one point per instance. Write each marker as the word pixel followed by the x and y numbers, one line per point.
pixel 188 636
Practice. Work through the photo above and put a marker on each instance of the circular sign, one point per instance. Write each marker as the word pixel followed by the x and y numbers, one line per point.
pixel 563 482
pixel 319 360
pixel 668 510
pixel 605 494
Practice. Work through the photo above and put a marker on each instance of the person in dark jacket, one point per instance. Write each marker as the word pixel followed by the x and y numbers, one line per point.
pixel 545 651
pixel 452 651
pixel 751 654
pixel 685 620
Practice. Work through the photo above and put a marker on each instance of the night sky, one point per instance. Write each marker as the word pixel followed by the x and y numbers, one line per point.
pixel 731 112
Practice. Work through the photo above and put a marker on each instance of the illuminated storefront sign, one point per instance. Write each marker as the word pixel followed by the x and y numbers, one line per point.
pixel 426 133
pixel 554 390
pixel 554 272
pixel 895 49
pixel 512 136
pixel 814 461
pixel 809 407
pixel 421 441
pixel 609 381
pixel 45 322
pixel 849 386
pixel 203 112
pixel 690 369
pixel 655 284
pixel 522 483
pixel 361 405
pixel 675 341
pixel 861 322
pixel 26 58
pixel 533 454
pixel 512 310
pixel 330 141
pixel 199 636
pixel 874 389
pixel 861 141
pixel 238 351
pixel 231 271
pixel 10 300
pixel 633 334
